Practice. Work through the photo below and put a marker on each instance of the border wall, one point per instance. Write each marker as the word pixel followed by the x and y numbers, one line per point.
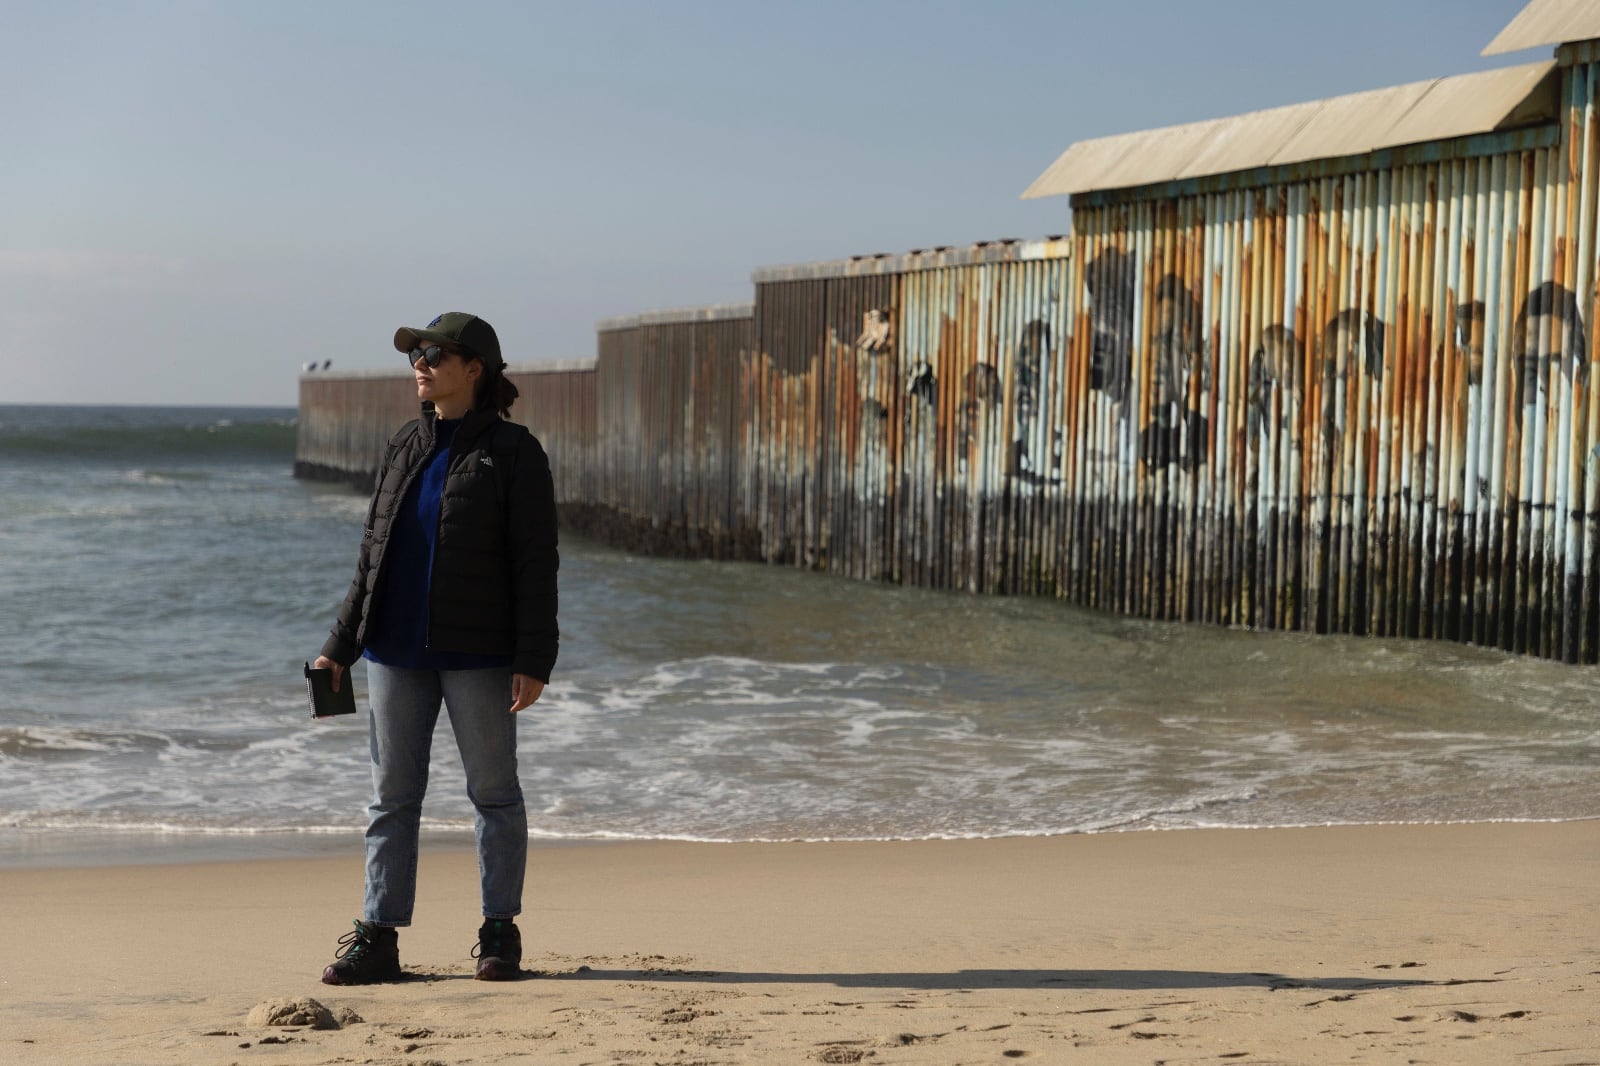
pixel 347 416
pixel 671 416
pixel 1346 396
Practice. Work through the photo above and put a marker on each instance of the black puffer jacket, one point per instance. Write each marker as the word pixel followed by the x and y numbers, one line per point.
pixel 493 590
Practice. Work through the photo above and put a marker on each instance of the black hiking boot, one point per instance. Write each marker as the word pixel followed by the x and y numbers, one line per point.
pixel 367 955
pixel 498 951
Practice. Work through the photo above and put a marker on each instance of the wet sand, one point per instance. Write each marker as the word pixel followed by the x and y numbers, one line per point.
pixel 1426 944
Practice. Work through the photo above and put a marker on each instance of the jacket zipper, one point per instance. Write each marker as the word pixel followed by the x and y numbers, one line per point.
pixel 438 523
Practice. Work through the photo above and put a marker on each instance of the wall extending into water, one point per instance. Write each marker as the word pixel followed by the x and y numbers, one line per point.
pixel 1349 396
pixel 672 411
pixel 346 418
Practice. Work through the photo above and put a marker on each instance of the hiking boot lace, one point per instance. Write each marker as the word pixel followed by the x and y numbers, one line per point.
pixel 491 943
pixel 354 944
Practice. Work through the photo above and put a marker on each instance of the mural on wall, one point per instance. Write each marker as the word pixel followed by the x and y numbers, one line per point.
pixel 1033 363
pixel 874 372
pixel 982 391
pixel 877 329
pixel 1549 334
pixel 1352 338
pixel 1469 319
pixel 876 366
pixel 1351 347
pixel 1302 393
pixel 1179 429
pixel 1110 279
pixel 983 387
pixel 1468 378
pixel 1276 383
pixel 922 386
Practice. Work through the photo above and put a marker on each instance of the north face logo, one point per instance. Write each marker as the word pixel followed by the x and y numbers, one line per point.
pixel 485 460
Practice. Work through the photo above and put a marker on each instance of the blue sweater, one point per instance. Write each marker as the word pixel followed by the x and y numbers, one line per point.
pixel 399 636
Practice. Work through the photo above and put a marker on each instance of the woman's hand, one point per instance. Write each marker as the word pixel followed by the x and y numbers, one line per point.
pixel 524 691
pixel 325 663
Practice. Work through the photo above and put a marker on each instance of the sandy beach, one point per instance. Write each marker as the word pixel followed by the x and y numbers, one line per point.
pixel 1408 944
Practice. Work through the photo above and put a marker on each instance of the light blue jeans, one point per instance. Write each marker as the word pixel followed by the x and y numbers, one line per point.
pixel 405 707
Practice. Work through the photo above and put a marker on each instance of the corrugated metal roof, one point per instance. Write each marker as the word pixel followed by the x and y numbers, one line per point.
pixel 1362 122
pixel 1243 141
pixel 1489 100
pixel 1548 22
pixel 1352 125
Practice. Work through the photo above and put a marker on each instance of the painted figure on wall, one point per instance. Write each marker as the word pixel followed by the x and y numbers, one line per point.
pixel 982 392
pixel 1467 382
pixel 1352 339
pixel 1179 428
pixel 873 376
pixel 1276 383
pixel 1469 338
pixel 1178 357
pixel 922 385
pixel 1111 279
pixel 876 331
pixel 1033 359
pixel 1549 334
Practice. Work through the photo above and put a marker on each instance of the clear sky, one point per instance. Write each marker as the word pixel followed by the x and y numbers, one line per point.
pixel 197 198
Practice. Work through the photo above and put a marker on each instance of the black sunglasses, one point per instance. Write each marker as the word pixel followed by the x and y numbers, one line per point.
pixel 433 355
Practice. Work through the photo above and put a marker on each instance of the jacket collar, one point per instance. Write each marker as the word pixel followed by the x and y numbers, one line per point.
pixel 473 422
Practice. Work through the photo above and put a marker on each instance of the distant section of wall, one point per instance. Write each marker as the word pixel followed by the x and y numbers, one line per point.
pixel 902 428
pixel 346 418
pixel 672 423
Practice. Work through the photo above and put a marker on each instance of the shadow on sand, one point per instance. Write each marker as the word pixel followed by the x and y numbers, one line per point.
pixel 1011 979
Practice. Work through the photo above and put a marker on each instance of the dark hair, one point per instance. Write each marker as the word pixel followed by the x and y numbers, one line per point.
pixel 493 391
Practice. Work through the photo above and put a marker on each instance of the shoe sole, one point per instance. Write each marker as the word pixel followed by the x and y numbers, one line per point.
pixel 330 976
pixel 492 969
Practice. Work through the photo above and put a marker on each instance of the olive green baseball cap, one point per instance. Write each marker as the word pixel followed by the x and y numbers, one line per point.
pixel 455 329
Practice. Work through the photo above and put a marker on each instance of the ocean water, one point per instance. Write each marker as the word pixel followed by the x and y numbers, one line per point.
pixel 163 577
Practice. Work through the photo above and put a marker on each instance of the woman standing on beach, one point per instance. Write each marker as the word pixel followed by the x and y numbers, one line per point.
pixel 454 601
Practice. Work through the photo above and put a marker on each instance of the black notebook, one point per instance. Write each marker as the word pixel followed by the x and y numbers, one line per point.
pixel 325 703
